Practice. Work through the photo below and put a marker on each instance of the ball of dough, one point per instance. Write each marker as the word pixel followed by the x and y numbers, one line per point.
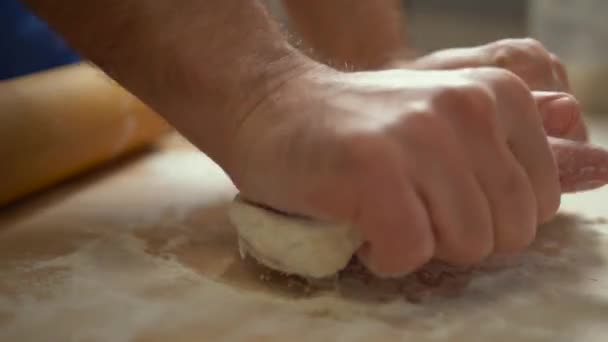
pixel 293 245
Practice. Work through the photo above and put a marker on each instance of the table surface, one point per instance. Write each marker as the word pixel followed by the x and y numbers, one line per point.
pixel 143 251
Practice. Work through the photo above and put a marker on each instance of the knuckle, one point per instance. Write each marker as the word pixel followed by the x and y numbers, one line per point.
pixel 518 240
pixel 450 95
pixel 403 257
pixel 507 84
pixel 538 55
pixel 467 242
pixel 472 104
pixel 469 96
pixel 522 56
pixel 508 55
pixel 424 129
pixel 359 150
pixel 473 252
pixel 533 44
pixel 422 123
pixel 424 249
pixel 473 245
pixel 502 77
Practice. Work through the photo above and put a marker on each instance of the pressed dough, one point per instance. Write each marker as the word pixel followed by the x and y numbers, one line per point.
pixel 292 245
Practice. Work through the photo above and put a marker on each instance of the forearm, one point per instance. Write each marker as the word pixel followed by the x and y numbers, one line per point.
pixel 351 34
pixel 213 59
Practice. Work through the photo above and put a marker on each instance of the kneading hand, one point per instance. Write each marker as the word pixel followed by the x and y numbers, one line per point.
pixel 453 165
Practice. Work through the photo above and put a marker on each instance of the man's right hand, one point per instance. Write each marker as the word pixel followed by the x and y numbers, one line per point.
pixel 453 165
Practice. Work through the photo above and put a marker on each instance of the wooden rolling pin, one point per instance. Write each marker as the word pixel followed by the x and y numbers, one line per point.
pixel 61 122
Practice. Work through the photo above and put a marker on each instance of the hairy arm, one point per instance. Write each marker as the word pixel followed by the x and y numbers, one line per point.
pixel 200 64
pixel 351 34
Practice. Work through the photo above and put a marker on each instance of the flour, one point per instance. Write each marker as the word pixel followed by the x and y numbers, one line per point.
pixel 117 287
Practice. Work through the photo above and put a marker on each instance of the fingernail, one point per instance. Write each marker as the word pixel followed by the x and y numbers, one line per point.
pixel 560 115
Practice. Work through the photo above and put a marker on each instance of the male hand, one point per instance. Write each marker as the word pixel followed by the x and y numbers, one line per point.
pixel 453 165
pixel 527 58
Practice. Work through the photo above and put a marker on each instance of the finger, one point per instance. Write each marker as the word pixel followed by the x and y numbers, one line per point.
pixel 511 198
pixel 458 209
pixel 395 224
pixel 521 123
pixel 398 232
pixel 509 194
pixel 581 166
pixel 560 73
pixel 503 181
pixel 528 59
pixel 561 115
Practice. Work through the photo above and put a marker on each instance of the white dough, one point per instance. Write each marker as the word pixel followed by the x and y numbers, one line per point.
pixel 293 245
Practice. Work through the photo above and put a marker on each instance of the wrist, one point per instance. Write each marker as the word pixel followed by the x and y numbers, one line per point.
pixel 221 103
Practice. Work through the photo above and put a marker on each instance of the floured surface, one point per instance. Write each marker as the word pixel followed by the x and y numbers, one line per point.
pixel 146 253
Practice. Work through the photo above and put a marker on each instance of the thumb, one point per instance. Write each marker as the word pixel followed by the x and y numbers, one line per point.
pixel 561 115
pixel 581 166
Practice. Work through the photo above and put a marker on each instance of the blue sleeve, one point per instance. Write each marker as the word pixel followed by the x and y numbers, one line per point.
pixel 27 44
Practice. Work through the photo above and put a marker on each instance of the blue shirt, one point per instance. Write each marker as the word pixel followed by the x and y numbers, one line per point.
pixel 27 44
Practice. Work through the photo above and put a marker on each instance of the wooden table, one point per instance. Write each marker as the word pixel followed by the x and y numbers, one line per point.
pixel 142 251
